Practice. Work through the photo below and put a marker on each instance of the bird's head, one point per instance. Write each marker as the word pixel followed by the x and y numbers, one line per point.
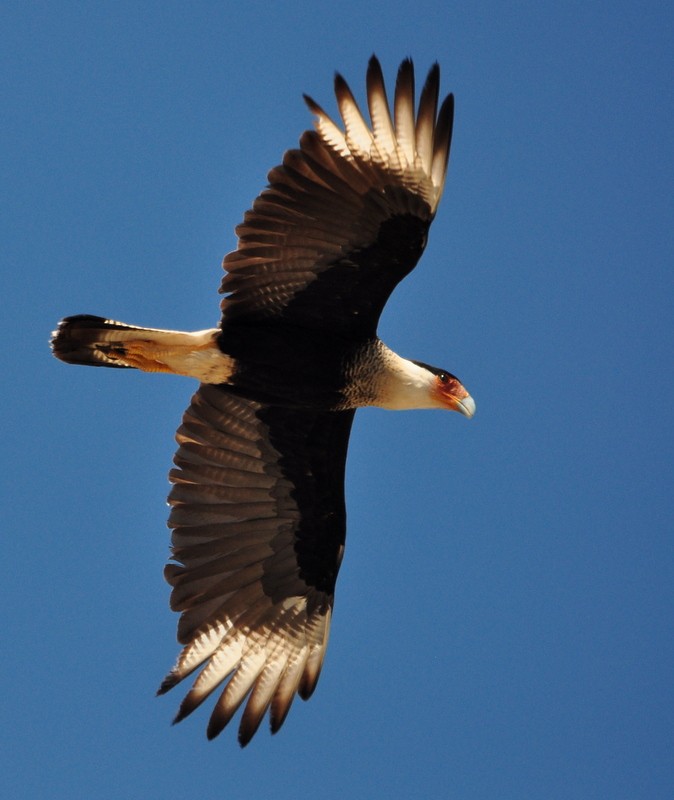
pixel 413 384
pixel 447 391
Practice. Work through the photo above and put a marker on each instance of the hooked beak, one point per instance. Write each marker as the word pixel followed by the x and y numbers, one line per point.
pixel 465 406
pixel 454 395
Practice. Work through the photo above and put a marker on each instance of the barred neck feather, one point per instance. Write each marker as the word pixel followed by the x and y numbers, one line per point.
pixel 379 377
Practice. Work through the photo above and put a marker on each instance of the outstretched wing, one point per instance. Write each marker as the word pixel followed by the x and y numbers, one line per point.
pixel 258 524
pixel 346 216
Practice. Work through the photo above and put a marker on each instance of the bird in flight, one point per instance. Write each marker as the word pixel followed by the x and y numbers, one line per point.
pixel 257 503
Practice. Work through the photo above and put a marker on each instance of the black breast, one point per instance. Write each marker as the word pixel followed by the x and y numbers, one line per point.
pixel 287 365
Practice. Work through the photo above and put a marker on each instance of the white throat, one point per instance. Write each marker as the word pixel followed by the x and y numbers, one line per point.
pixel 405 385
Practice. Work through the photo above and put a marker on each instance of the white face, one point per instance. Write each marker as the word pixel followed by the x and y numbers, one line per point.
pixel 409 385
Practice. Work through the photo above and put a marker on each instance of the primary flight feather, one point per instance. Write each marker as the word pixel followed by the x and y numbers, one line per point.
pixel 258 515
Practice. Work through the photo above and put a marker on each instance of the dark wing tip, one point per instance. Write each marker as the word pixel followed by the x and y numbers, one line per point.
pixel 446 115
pixel 247 730
pixel 190 703
pixel 309 682
pixel 406 69
pixel 404 88
pixel 212 731
pixel 219 720
pixel 167 684
pixel 433 74
pixel 444 129
pixel 342 89
pixel 375 75
pixel 312 104
pixel 373 64
pixel 277 720
pixel 428 102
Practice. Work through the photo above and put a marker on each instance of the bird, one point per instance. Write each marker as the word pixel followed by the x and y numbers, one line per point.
pixel 258 515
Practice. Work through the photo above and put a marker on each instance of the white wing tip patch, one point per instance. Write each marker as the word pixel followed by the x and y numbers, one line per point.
pixel 268 662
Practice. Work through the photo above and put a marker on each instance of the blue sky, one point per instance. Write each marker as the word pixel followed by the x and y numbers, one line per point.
pixel 503 621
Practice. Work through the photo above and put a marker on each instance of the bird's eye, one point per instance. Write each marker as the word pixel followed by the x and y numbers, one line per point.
pixel 443 377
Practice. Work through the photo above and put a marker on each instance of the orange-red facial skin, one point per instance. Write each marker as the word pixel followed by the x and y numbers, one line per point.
pixel 450 391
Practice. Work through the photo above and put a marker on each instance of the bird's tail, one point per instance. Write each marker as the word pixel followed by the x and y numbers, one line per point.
pixel 100 342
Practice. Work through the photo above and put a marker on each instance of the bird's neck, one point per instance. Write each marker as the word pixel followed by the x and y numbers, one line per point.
pixel 379 377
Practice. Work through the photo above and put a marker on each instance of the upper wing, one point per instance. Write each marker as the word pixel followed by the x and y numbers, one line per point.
pixel 346 216
pixel 258 524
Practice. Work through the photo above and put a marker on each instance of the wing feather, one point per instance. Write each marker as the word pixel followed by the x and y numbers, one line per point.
pixel 425 129
pixel 345 206
pixel 287 687
pixel 358 136
pixel 382 126
pixel 442 143
pixel 404 112
pixel 262 693
pixel 253 562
